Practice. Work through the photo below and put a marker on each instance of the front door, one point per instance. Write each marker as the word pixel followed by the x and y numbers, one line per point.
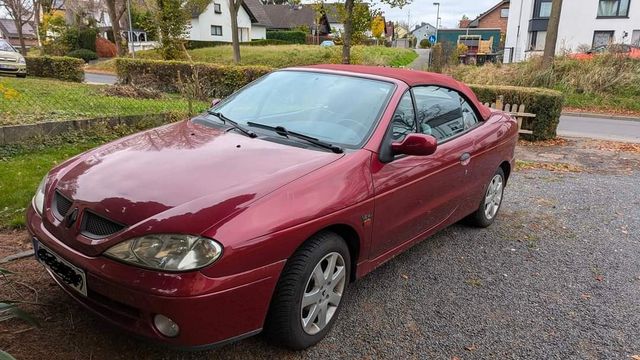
pixel 416 194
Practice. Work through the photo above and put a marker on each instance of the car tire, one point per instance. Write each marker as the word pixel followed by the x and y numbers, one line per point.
pixel 491 201
pixel 300 279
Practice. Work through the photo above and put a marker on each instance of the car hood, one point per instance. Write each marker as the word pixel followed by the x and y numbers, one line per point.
pixel 182 168
pixel 9 56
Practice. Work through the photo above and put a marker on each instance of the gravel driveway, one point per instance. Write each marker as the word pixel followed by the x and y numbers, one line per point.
pixel 557 276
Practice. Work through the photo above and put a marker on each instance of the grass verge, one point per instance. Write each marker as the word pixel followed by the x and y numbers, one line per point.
pixel 23 166
pixel 296 55
pixel 32 100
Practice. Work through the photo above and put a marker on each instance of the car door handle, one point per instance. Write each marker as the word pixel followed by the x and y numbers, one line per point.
pixel 465 158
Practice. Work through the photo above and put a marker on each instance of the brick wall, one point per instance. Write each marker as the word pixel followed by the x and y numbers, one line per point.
pixel 493 20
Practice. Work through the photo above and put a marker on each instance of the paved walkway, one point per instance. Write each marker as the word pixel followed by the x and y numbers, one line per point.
pixel 422 61
pixel 100 78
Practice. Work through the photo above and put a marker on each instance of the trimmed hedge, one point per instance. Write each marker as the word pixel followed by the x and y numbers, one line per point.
pixel 198 44
pixel 216 80
pixel 293 37
pixel 56 67
pixel 84 54
pixel 546 104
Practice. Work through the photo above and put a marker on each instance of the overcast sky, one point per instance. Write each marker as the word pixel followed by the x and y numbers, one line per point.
pixel 450 11
pixel 423 10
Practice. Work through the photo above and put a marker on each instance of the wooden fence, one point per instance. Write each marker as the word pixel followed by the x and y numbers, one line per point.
pixel 525 119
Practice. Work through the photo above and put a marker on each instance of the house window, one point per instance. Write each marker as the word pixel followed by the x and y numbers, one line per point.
pixel 537 40
pixel 635 38
pixel 545 9
pixel 613 8
pixel 504 13
pixel 217 9
pixel 601 38
pixel 216 30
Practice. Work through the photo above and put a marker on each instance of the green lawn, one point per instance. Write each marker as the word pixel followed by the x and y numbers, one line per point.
pixel 279 56
pixel 31 100
pixel 23 166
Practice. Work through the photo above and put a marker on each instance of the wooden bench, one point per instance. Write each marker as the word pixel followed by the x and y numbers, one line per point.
pixel 525 119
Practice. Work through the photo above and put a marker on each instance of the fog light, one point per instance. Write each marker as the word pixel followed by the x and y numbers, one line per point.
pixel 166 326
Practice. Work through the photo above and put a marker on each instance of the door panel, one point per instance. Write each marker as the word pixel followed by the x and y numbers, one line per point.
pixel 417 193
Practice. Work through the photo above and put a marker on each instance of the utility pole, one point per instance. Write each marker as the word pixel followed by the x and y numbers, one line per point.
pixel 437 19
pixel 552 34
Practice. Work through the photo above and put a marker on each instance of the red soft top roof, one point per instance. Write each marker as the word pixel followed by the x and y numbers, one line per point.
pixel 411 78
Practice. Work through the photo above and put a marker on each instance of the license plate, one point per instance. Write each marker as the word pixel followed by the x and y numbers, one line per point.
pixel 8 67
pixel 67 273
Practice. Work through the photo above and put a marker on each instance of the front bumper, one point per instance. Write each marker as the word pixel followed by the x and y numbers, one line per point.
pixel 208 310
pixel 12 68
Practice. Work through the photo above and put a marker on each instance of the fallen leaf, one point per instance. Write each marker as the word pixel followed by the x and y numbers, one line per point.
pixel 585 296
pixel 404 276
pixel 599 278
pixel 472 347
pixel 635 357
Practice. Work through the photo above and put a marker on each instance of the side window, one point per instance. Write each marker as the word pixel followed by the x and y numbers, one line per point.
pixel 404 119
pixel 442 112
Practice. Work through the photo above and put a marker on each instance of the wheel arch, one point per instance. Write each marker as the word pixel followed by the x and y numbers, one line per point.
pixel 506 168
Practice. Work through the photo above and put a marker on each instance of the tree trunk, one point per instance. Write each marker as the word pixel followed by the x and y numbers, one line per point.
pixel 36 21
pixel 234 7
pixel 348 27
pixel 115 25
pixel 23 47
pixel 552 34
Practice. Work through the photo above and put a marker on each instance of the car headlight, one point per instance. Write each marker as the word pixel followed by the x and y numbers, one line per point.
pixel 21 60
pixel 38 198
pixel 167 252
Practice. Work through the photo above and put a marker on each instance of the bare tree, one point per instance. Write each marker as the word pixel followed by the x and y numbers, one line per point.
pixel 116 9
pixel 552 34
pixel 21 11
pixel 234 8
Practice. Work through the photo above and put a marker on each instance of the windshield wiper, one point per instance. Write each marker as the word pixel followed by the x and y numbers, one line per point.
pixel 232 123
pixel 281 130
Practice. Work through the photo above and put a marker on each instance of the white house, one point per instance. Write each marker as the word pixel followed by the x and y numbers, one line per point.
pixel 214 23
pixel 423 31
pixel 582 23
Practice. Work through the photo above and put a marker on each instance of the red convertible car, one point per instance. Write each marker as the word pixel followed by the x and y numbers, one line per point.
pixel 258 214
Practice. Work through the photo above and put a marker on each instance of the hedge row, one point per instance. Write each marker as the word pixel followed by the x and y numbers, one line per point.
pixel 198 44
pixel 216 81
pixel 56 67
pixel 546 104
pixel 293 37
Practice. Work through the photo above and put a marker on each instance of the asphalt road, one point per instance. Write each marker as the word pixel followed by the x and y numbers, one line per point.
pixel 98 78
pixel 600 128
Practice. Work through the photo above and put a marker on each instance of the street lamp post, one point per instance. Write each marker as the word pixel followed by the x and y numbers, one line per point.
pixel 130 37
pixel 437 19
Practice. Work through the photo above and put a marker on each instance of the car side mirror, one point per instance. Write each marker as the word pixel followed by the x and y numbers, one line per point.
pixel 215 102
pixel 415 144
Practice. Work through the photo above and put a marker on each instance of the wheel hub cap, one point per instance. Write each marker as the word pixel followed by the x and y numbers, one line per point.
pixel 493 198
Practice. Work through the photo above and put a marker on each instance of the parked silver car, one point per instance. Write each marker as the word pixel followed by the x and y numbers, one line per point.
pixel 11 61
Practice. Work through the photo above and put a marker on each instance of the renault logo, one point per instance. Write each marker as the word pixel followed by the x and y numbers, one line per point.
pixel 71 218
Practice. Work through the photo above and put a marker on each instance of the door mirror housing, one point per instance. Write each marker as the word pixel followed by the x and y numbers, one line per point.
pixel 415 144
pixel 215 102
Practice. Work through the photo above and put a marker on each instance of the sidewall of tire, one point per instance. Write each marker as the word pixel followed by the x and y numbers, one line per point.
pixel 480 218
pixel 309 254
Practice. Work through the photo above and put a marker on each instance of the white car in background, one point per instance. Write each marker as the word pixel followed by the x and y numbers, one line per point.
pixel 11 61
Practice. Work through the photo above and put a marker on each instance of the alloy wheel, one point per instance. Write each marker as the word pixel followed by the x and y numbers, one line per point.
pixel 323 293
pixel 493 198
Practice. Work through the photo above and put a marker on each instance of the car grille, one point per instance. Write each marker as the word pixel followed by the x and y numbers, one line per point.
pixel 95 226
pixel 62 205
pixel 8 59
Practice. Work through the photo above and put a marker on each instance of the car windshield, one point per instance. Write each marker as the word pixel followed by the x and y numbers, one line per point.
pixel 336 109
pixel 4 46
